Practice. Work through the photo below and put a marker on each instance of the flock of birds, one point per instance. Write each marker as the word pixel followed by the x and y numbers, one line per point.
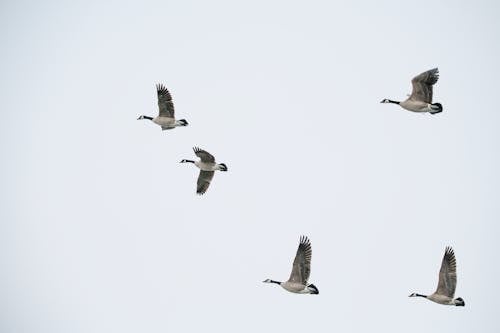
pixel 166 119
pixel 420 100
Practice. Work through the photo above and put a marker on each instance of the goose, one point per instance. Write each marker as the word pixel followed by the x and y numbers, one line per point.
pixel 447 282
pixel 166 118
pixel 420 99
pixel 207 168
pixel 297 283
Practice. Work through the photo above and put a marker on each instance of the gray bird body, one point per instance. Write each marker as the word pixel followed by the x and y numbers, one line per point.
pixel 166 123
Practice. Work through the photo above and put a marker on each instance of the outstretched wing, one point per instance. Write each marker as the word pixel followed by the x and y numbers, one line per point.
pixel 204 180
pixel 165 103
pixel 302 264
pixel 448 274
pixel 203 155
pixel 422 85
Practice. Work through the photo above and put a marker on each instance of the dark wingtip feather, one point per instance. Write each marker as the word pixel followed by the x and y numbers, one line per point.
pixel 449 256
pixel 304 240
pixel 161 89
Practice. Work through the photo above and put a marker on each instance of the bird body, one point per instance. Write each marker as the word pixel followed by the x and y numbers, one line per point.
pixel 168 123
pixel 417 106
pixel 298 288
pixel 208 166
pixel 441 299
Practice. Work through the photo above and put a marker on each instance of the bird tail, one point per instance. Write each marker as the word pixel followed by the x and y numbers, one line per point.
pixel 313 289
pixel 436 108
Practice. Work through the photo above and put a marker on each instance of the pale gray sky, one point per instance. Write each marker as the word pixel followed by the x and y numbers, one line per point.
pixel 101 228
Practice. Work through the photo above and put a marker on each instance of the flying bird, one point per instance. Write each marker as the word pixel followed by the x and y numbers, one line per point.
pixel 207 166
pixel 420 99
pixel 297 283
pixel 445 291
pixel 166 118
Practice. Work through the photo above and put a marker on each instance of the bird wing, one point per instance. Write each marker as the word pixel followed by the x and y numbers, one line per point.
pixel 422 85
pixel 203 155
pixel 302 264
pixel 448 274
pixel 165 103
pixel 204 180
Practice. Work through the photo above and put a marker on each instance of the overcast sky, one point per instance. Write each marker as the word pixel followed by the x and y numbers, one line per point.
pixel 101 229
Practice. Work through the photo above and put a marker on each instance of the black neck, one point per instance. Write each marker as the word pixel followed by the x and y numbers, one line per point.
pixel 147 117
pixel 277 282
pixel 419 295
pixel 188 161
pixel 395 102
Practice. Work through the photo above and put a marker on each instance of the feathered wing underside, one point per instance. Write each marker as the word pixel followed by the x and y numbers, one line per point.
pixel 448 274
pixel 422 85
pixel 203 155
pixel 302 264
pixel 165 103
pixel 204 180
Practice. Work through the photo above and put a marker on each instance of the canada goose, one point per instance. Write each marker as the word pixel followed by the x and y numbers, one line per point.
pixel 447 282
pixel 166 118
pixel 207 168
pixel 420 99
pixel 297 283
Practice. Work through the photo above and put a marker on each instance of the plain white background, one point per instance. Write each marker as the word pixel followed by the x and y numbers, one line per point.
pixel 101 229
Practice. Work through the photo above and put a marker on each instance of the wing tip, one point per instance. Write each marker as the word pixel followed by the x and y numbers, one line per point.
pixel 449 256
pixel 202 190
pixel 160 88
pixel 434 75
pixel 304 240
pixel 429 77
